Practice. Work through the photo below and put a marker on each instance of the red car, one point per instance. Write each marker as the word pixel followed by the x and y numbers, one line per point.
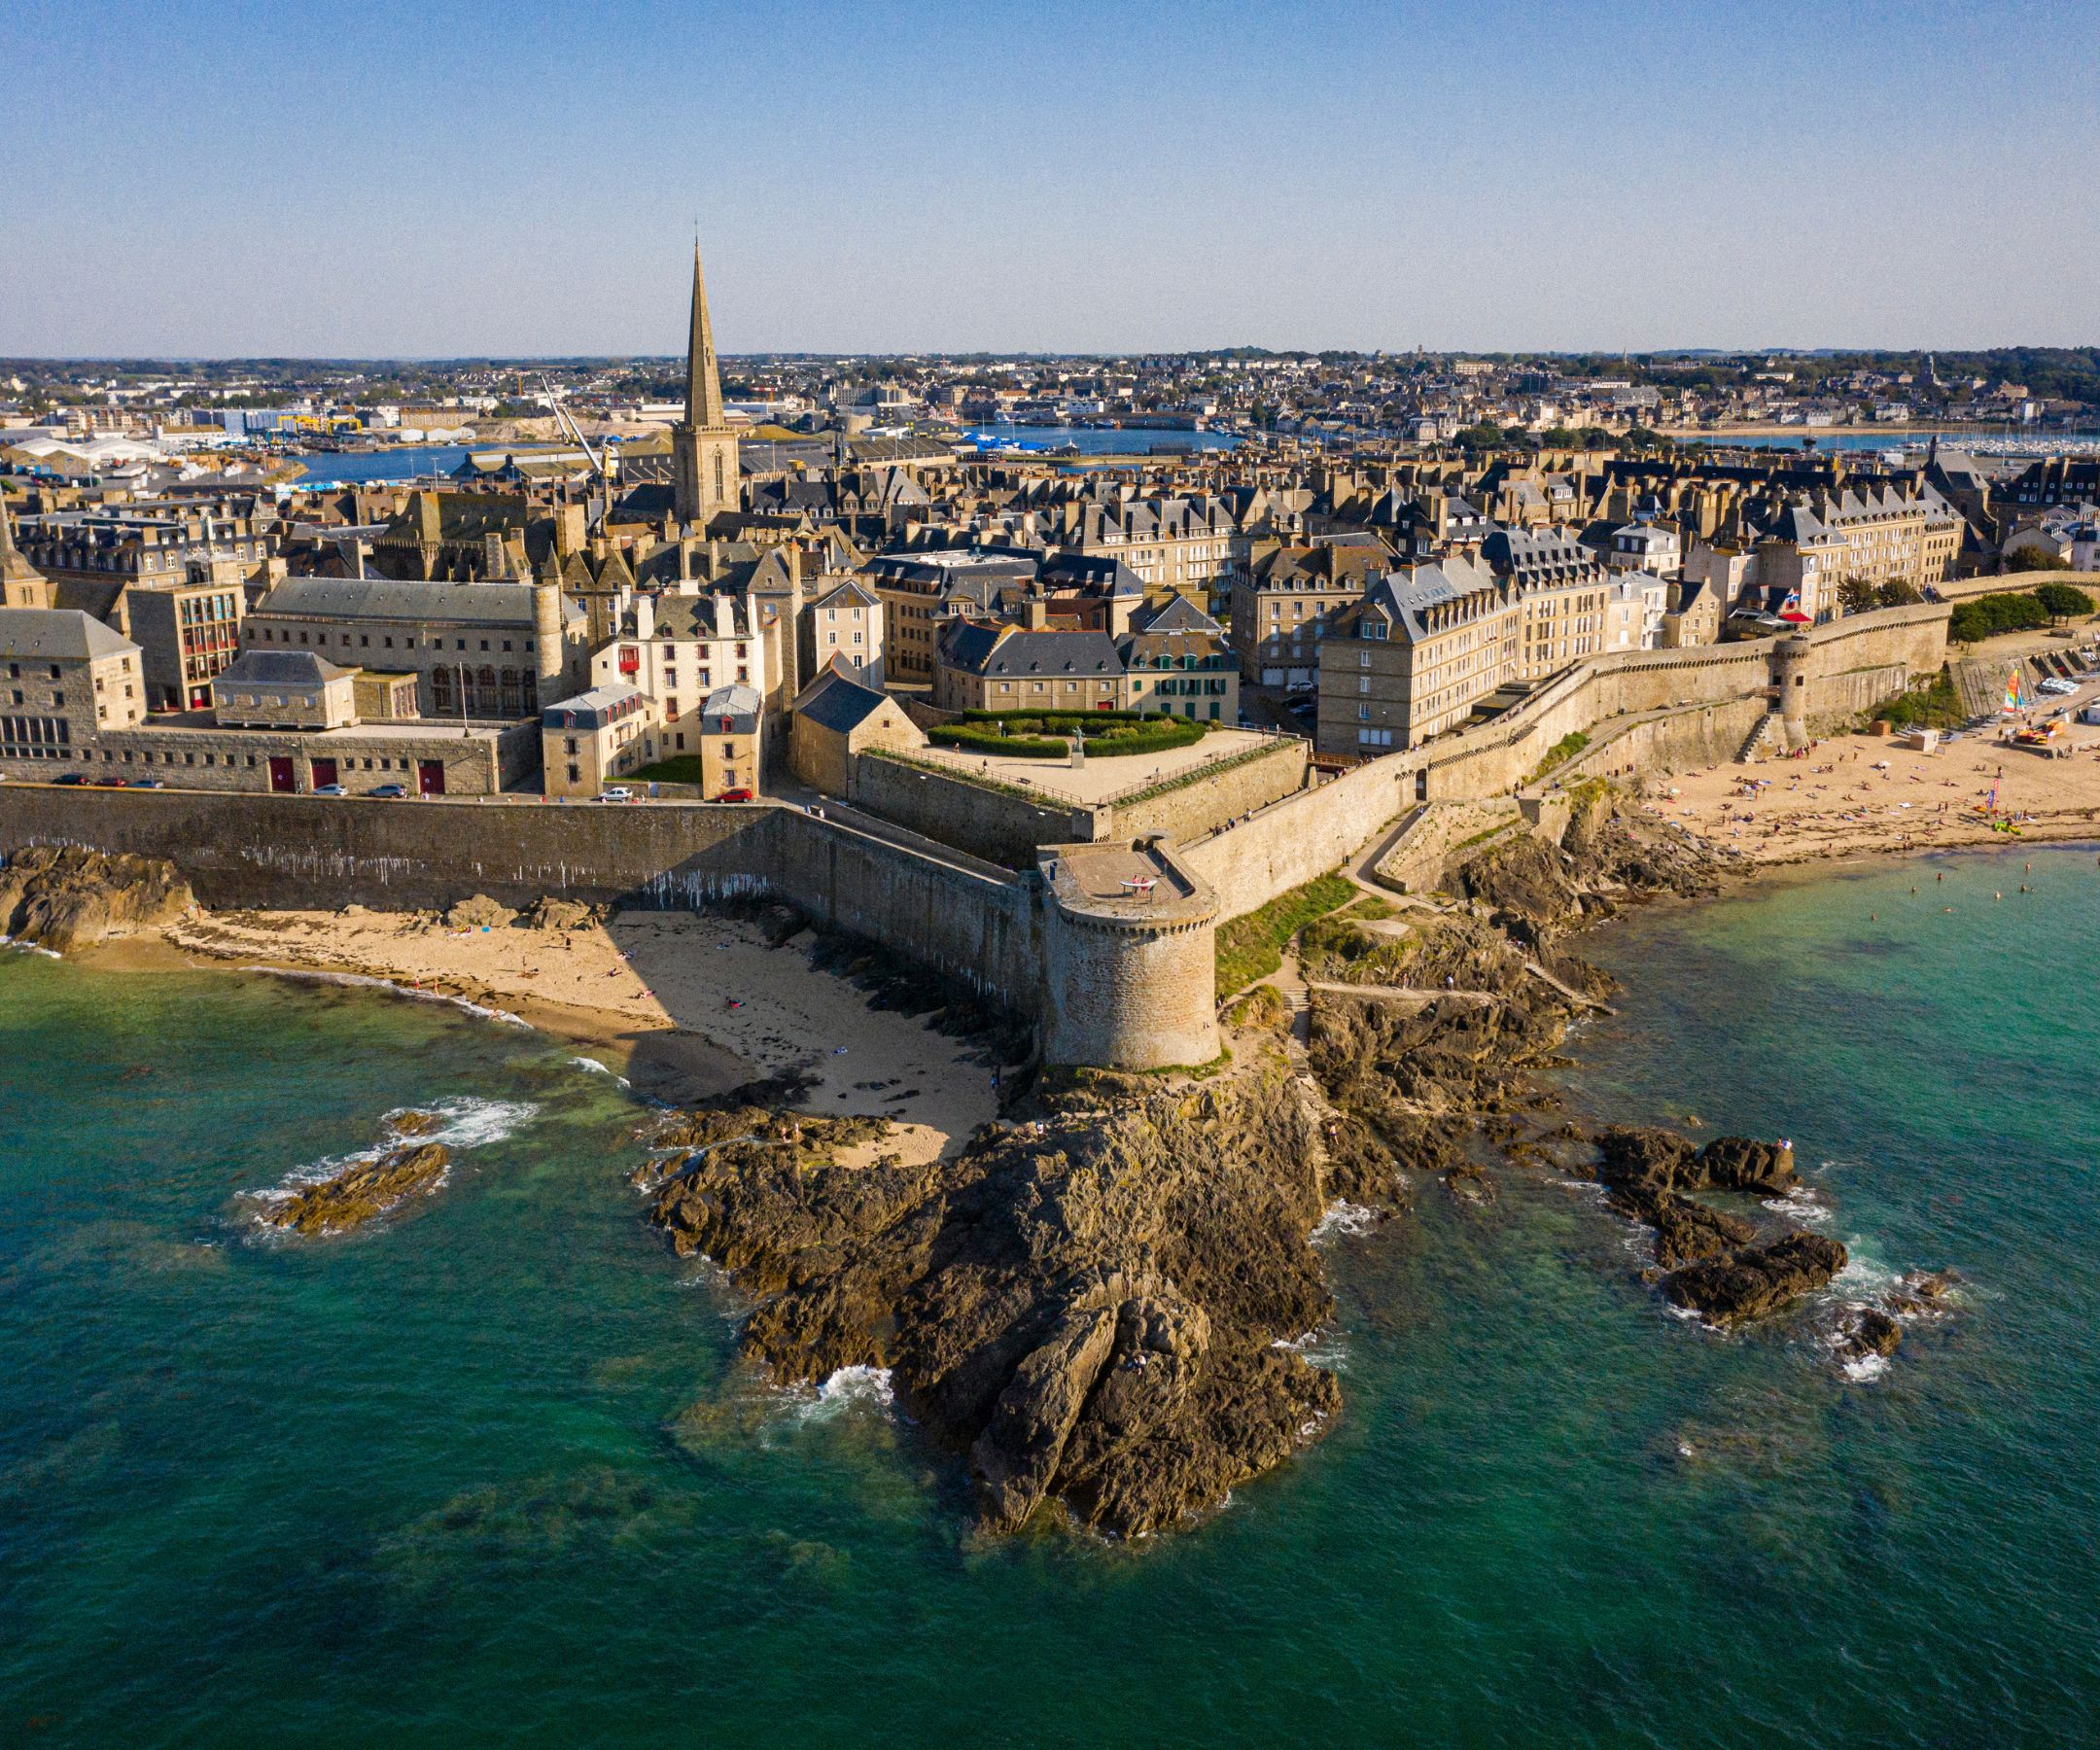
pixel 735 795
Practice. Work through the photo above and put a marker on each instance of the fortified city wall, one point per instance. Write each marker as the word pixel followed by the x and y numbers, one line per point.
pixel 1000 934
pixel 1110 977
pixel 1007 824
pixel 1846 666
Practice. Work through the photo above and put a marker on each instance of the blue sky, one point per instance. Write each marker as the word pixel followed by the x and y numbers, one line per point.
pixel 306 178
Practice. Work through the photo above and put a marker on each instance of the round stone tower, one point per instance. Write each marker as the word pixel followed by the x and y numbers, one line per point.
pixel 1129 958
pixel 549 653
pixel 1790 675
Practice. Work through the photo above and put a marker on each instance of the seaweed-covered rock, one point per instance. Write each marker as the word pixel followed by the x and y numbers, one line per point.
pixel 358 1193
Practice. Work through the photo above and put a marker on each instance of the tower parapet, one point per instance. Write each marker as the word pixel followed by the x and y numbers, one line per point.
pixel 1129 957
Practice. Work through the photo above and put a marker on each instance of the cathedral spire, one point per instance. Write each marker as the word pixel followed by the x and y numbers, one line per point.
pixel 703 382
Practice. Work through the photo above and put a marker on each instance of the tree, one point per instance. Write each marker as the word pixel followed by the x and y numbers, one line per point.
pixel 1855 595
pixel 1485 435
pixel 2031 559
pixel 1896 593
pixel 2064 601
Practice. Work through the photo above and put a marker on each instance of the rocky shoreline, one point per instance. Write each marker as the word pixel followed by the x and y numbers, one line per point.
pixel 1095 1304
pixel 1094 1300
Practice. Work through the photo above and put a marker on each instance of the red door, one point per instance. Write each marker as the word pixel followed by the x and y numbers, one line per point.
pixel 324 772
pixel 280 774
pixel 430 777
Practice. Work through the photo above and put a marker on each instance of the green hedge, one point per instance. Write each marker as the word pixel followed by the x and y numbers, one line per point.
pixel 1151 737
pixel 1046 734
pixel 973 738
pixel 1986 616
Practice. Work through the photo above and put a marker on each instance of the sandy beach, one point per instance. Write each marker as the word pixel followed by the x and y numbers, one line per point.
pixel 682 1004
pixel 1853 794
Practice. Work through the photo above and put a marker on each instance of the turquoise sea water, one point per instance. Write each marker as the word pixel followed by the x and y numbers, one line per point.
pixel 489 1472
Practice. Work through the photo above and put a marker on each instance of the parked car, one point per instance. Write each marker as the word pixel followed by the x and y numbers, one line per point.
pixel 111 783
pixel 71 777
pixel 149 784
pixel 616 794
pixel 388 791
pixel 734 795
pixel 329 790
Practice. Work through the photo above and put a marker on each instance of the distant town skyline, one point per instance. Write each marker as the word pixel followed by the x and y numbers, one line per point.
pixel 391 181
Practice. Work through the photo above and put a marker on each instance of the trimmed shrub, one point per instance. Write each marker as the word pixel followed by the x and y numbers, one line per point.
pixel 975 737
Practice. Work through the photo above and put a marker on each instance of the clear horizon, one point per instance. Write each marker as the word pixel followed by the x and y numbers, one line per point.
pixel 314 180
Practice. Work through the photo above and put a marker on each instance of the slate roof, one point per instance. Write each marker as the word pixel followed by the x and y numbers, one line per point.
pixel 834 702
pixel 58 635
pixel 374 599
pixel 279 668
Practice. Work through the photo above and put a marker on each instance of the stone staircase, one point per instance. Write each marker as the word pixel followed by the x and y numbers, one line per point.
pixel 1769 736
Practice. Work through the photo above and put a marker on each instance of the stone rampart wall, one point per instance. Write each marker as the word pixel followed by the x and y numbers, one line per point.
pixel 992 823
pixel 296 851
pixel 1190 810
pixel 1851 664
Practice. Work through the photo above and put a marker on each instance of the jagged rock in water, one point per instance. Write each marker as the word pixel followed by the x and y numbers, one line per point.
pixel 358 1193
pixel 1746 1164
pixel 64 897
pixel 1642 1157
pixel 1652 1158
pixel 1470 1185
pixel 1686 1230
pixel 1756 1280
pixel 1090 1311
pixel 414 1123
pixel 1870 1331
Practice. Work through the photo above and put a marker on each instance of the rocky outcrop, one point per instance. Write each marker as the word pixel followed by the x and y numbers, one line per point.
pixel 63 896
pixel 552 913
pixel 1756 1280
pixel 1869 1331
pixel 1089 1305
pixel 362 1191
pixel 1648 1159
pixel 480 912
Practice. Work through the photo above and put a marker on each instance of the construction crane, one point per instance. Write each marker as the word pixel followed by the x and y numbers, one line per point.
pixel 575 431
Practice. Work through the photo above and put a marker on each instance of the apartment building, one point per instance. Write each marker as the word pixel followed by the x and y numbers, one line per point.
pixel 1561 594
pixel 1281 607
pixel 845 625
pixel 64 678
pixel 1817 541
pixel 681 649
pixel 1410 660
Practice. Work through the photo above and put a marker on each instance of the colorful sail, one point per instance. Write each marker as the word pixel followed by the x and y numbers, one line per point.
pixel 2016 695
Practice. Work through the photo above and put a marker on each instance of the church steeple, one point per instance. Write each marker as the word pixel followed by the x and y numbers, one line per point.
pixel 703 380
pixel 705 478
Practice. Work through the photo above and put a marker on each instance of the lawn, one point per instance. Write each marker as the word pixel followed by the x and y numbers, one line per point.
pixel 1251 946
